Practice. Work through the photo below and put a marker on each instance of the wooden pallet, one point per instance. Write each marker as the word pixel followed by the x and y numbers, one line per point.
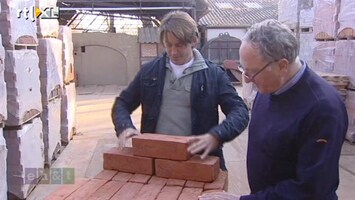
pixel 55 93
pixel 23 42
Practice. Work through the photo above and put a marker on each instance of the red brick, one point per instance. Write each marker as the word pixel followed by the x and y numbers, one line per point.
pixel 124 160
pixel 127 191
pixel 221 183
pixel 148 192
pixel 169 193
pixel 161 146
pixel 190 194
pixel 194 169
pixel 194 184
pixel 106 175
pixel 157 180
pixel 106 191
pixel 87 189
pixel 175 182
pixel 122 176
pixel 140 178
pixel 65 190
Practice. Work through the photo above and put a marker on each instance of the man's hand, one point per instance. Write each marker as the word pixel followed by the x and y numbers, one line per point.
pixel 125 136
pixel 218 196
pixel 206 143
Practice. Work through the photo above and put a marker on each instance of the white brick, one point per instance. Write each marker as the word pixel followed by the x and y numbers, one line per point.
pixel 50 63
pixel 346 15
pixel 65 34
pixel 51 129
pixel 68 112
pixel 25 151
pixel 23 85
pixel 16 30
pixel 345 59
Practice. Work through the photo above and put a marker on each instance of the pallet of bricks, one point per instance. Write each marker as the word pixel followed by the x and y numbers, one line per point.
pixel 155 167
pixel 334 27
pixel 22 127
pixel 68 103
pixel 51 77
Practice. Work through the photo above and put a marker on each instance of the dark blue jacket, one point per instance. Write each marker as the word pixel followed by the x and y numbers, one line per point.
pixel 210 88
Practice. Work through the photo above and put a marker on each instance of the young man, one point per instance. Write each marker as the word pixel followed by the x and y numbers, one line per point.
pixel 180 92
pixel 298 121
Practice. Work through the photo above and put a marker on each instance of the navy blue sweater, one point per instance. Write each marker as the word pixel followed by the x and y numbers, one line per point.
pixel 295 141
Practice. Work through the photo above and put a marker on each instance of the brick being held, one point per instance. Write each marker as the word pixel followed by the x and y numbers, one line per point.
pixel 161 146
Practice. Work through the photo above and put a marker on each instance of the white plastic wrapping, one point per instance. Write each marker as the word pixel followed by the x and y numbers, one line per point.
pixel 323 56
pixel 51 129
pixel 346 16
pixel 325 18
pixel 3 94
pixel 350 107
pixel 14 30
pixel 50 63
pixel 307 17
pixel 65 34
pixel 249 91
pixel 307 45
pixel 23 86
pixel 344 62
pixel 47 27
pixel 68 112
pixel 287 12
pixel 3 177
pixel 25 151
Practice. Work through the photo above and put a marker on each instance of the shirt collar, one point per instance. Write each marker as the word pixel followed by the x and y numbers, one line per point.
pixel 292 81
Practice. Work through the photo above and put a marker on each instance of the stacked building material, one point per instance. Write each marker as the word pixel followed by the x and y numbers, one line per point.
pixel 47 28
pixel 325 19
pixel 51 77
pixel 346 19
pixel 3 114
pixel 156 167
pixel 17 31
pixel 68 104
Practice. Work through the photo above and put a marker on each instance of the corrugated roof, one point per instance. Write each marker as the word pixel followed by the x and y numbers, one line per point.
pixel 237 13
pixel 148 35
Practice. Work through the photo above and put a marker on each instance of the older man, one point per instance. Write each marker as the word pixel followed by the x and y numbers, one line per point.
pixel 298 121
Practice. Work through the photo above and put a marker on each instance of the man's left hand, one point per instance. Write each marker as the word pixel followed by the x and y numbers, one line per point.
pixel 202 143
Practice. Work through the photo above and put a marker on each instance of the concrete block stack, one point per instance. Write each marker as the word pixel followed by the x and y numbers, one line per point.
pixel 68 104
pixel 156 167
pixel 17 31
pixel 288 15
pixel 50 56
pixel 3 114
pixel 25 157
pixel 47 28
pixel 346 19
pixel 22 131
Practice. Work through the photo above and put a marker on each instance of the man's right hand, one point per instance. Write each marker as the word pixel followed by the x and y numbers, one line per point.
pixel 125 136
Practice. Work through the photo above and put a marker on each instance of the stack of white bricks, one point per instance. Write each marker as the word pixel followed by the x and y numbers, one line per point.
pixel 50 56
pixel 51 76
pixel 3 114
pixel 47 27
pixel 23 129
pixel 68 107
pixel 288 15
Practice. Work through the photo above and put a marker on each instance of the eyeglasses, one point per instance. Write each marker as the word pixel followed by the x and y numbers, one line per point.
pixel 250 78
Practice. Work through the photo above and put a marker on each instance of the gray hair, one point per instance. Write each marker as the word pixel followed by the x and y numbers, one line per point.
pixel 180 24
pixel 274 40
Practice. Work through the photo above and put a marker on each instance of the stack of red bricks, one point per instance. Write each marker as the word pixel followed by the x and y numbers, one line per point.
pixel 156 167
